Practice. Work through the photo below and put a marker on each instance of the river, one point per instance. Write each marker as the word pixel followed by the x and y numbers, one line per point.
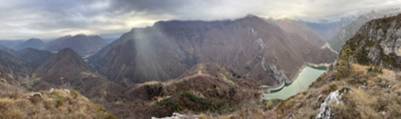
pixel 302 82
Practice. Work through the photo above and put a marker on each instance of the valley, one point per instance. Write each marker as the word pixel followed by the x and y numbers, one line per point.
pixel 121 59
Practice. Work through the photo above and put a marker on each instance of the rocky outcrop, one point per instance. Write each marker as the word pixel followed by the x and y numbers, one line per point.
pixel 325 111
pixel 377 43
pixel 348 31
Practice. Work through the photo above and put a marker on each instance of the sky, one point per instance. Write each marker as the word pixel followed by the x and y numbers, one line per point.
pixel 47 19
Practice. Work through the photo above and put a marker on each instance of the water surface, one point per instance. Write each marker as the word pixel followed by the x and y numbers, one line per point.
pixel 304 79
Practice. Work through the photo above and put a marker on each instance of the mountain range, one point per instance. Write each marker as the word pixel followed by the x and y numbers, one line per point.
pixel 204 69
pixel 169 48
pixel 84 45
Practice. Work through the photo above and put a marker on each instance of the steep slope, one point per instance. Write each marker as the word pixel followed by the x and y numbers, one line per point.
pixel 12 68
pixel 365 94
pixel 376 43
pixel 349 30
pixel 33 57
pixel 68 70
pixel 249 47
pixel 364 84
pixel 84 45
pixel 31 43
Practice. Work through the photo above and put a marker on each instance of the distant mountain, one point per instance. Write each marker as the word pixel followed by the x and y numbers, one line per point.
pixel 34 57
pixel 31 43
pixel 249 47
pixel 68 70
pixel 300 30
pixel 84 45
pixel 11 43
pixel 327 30
pixel 8 50
pixel 64 64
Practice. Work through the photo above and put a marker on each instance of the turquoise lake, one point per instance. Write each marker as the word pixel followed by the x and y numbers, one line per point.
pixel 305 78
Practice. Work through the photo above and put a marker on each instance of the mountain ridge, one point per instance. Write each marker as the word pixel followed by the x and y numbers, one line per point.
pixel 187 43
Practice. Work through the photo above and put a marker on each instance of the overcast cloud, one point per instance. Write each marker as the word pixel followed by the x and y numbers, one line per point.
pixel 23 19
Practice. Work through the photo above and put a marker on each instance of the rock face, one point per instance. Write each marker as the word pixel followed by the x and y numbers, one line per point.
pixel 245 46
pixel 84 45
pixel 31 43
pixel 376 43
pixel 325 111
pixel 348 31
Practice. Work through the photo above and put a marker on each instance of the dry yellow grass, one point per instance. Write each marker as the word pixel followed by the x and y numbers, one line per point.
pixel 60 104
pixel 372 94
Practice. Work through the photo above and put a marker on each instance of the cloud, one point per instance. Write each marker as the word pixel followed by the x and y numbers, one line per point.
pixel 222 9
pixel 22 19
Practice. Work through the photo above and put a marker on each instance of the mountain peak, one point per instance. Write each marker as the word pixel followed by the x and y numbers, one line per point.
pixel 84 45
pixel 251 17
pixel 31 43
pixel 66 63
pixel 68 56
